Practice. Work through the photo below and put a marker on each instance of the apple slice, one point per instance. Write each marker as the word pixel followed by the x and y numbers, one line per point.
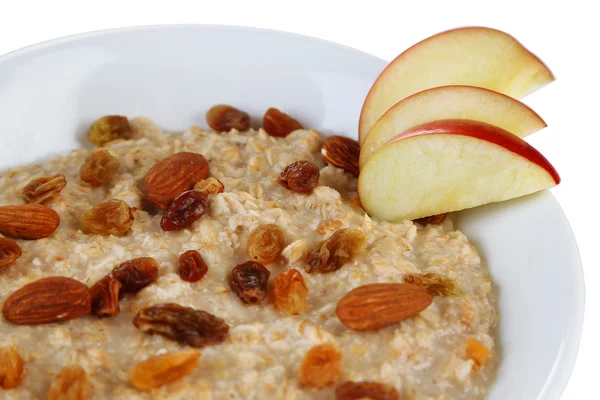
pixel 474 56
pixel 450 165
pixel 451 102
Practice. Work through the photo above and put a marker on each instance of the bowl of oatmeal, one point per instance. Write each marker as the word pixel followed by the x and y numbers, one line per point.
pixel 179 250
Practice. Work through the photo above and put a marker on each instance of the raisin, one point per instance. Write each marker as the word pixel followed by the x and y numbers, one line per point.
pixel 184 210
pixel 185 325
pixel 39 190
pixel 266 243
pixel 105 297
pixel 111 217
pixel 365 390
pixel 11 368
pixel 109 128
pixel 210 186
pixel 436 284
pixel 249 282
pixel 290 292
pixel 223 118
pixel 136 273
pixel 432 220
pixel 160 370
pixel 99 168
pixel 321 366
pixel 300 177
pixel 9 252
pixel 192 267
pixel 279 124
pixel 339 249
pixel 70 384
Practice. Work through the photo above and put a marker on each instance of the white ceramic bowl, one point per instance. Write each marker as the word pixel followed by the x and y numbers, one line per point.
pixel 51 92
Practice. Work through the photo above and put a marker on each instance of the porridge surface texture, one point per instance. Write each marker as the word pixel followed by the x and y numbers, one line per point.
pixel 423 357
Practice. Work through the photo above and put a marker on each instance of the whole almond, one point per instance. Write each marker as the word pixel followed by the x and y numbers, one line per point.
pixel 174 175
pixel 341 152
pixel 28 221
pixel 48 300
pixel 377 305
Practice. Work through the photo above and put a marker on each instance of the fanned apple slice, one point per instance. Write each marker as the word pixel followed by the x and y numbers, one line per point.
pixel 450 165
pixel 451 102
pixel 474 56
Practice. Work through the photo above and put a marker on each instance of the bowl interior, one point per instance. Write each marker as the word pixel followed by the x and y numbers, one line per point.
pixel 50 93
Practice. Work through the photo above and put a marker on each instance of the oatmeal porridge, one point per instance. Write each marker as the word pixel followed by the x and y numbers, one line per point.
pixel 259 261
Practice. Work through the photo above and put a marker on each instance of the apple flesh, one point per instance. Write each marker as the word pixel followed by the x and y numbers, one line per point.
pixel 450 165
pixel 451 102
pixel 473 56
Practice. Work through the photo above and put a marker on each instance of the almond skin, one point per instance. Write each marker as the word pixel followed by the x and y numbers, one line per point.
pixel 48 300
pixel 174 175
pixel 28 221
pixel 341 152
pixel 377 305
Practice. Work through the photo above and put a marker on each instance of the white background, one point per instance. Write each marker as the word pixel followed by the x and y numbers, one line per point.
pixel 565 34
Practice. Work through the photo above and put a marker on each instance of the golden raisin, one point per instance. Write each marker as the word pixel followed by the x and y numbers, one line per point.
pixel 109 128
pixel 192 267
pixel 290 292
pixel 9 252
pixel 196 328
pixel 41 189
pixel 99 168
pixel 321 366
pixel 266 243
pixel 339 249
pixel 210 186
pixel 105 297
pixel 160 370
pixel 70 384
pixel 436 284
pixel 111 217
pixel 365 390
pixel 432 220
pixel 249 282
pixel 136 273
pixel 279 124
pixel 223 118
pixel 477 352
pixel 300 177
pixel 184 210
pixel 11 368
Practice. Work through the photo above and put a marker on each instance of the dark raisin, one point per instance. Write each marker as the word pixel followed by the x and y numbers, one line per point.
pixel 300 177
pixel 184 210
pixel 136 274
pixel 185 325
pixel 432 220
pixel 192 267
pixel 105 297
pixel 249 282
